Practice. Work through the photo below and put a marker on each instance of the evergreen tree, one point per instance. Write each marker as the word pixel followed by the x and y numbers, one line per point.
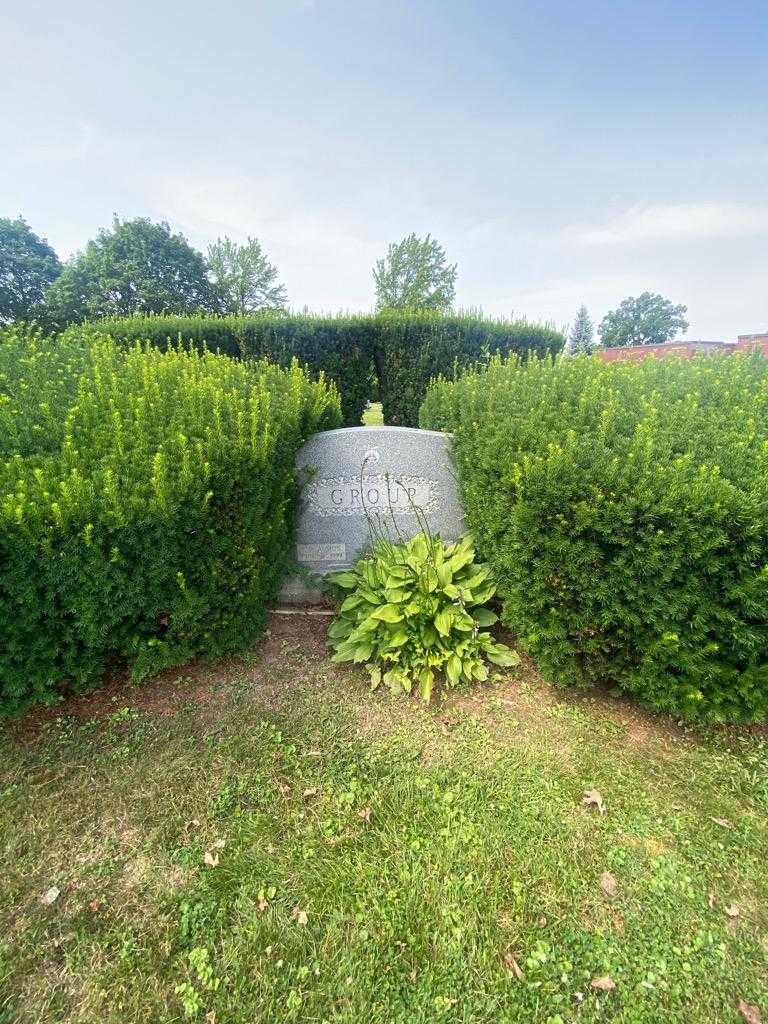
pixel 581 340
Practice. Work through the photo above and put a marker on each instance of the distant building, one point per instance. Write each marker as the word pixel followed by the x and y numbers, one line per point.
pixel 685 349
pixel 750 341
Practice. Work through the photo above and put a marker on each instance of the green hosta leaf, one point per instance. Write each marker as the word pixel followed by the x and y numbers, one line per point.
pixel 339 629
pixel 482 596
pixel 394 681
pixel 350 602
pixel 444 576
pixel 398 638
pixel 399 572
pixel 375 674
pixel 344 652
pixel 429 635
pixel 484 616
pixel 347 580
pixel 451 591
pixel 430 580
pixel 473 580
pixel 479 672
pixel 418 547
pixel 453 669
pixel 396 596
pixel 367 625
pixel 387 613
pixel 502 655
pixel 444 621
pixel 463 621
pixel 426 681
pixel 363 652
pixel 460 560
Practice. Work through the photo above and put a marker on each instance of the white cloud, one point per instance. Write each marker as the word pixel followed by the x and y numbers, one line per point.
pixel 677 222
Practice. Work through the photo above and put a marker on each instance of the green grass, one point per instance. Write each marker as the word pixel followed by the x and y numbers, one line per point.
pixel 428 848
pixel 373 416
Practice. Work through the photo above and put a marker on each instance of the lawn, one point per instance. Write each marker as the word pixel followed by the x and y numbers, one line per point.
pixel 373 415
pixel 264 841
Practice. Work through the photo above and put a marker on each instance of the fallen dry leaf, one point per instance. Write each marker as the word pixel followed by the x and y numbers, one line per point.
pixel 603 984
pixel 95 905
pixel 50 896
pixel 413 976
pixel 750 1013
pixel 211 859
pixel 284 789
pixel 513 966
pixel 594 798
pixel 609 885
pixel 732 911
pixel 263 904
pixel 722 822
pixel 711 899
pixel 210 1017
pixel 364 813
pixel 311 791
pixel 219 844
pixel 299 916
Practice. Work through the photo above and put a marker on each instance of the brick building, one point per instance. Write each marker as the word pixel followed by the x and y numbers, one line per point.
pixel 686 349
pixel 750 341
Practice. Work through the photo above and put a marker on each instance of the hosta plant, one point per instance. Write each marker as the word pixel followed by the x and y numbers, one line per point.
pixel 413 611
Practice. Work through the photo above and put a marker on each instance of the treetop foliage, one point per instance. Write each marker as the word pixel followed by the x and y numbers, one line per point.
pixel 415 275
pixel 136 267
pixel 28 265
pixel 581 339
pixel 244 278
pixel 649 319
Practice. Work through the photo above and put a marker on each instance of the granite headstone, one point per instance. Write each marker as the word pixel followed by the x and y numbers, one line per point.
pixel 394 477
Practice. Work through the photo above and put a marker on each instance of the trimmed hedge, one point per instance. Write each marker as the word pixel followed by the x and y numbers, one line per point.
pixel 624 507
pixel 150 517
pixel 413 348
pixel 388 356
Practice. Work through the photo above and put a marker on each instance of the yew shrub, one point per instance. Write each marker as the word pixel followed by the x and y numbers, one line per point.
pixel 146 513
pixel 624 509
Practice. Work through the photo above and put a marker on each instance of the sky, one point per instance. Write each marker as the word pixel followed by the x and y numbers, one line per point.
pixel 562 153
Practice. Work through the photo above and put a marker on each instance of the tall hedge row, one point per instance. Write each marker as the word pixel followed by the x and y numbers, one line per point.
pixel 625 509
pixel 146 504
pixel 389 356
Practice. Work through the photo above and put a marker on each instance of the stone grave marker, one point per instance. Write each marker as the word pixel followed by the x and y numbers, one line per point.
pixel 392 476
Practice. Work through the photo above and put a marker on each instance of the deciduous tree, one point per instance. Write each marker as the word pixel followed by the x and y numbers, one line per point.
pixel 137 267
pixel 28 265
pixel 414 275
pixel 243 276
pixel 649 319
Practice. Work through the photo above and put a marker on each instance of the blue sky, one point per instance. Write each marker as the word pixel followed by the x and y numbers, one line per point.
pixel 561 152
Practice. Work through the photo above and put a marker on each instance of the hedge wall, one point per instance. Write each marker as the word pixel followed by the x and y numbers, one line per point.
pixel 389 356
pixel 146 504
pixel 625 509
pixel 415 347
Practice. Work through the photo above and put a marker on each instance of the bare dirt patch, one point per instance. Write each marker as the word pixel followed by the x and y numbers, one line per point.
pixel 293 653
